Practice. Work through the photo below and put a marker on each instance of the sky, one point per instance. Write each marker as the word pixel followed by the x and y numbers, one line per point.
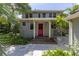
pixel 50 6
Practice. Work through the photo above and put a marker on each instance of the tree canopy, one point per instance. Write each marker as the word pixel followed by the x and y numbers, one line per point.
pixel 9 11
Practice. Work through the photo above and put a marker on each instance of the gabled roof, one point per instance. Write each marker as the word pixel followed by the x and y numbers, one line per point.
pixel 73 16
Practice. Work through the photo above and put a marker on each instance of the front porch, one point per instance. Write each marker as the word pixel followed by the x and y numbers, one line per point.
pixel 43 32
pixel 42 29
pixel 38 29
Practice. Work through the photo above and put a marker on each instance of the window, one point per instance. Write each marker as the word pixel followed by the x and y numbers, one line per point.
pixel 26 16
pixel 31 26
pixel 50 14
pixel 24 23
pixel 30 15
pixel 39 15
pixel 53 26
pixel 54 14
pixel 44 15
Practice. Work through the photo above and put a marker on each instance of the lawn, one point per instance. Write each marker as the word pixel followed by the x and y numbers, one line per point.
pixel 9 39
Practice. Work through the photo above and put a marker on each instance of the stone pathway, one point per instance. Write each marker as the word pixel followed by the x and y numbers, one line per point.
pixel 31 49
pixel 35 49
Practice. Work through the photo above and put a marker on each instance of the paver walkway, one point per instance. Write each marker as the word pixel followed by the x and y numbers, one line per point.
pixel 34 49
pixel 31 49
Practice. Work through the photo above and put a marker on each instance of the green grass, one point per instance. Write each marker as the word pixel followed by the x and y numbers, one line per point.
pixel 8 39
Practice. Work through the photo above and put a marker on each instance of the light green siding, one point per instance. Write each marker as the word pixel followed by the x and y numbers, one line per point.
pixel 25 30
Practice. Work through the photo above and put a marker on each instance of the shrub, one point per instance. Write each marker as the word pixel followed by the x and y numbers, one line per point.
pixel 10 39
pixel 57 52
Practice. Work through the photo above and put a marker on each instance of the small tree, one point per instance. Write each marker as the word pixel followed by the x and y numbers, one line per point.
pixel 61 23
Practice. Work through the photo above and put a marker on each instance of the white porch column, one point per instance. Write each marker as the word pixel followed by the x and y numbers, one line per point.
pixel 34 29
pixel 70 33
pixel 49 29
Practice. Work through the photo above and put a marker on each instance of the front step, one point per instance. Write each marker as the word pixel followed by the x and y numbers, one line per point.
pixel 41 38
pixel 44 40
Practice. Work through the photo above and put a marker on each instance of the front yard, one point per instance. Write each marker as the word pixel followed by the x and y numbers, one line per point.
pixel 18 46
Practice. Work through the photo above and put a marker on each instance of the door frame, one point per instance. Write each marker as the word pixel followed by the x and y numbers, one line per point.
pixel 38 28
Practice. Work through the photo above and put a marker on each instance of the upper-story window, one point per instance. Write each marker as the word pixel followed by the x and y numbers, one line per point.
pixel 44 15
pixel 39 15
pixel 24 23
pixel 50 14
pixel 26 16
pixel 30 15
pixel 54 14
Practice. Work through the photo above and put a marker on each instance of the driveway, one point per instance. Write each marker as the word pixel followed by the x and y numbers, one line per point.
pixel 30 49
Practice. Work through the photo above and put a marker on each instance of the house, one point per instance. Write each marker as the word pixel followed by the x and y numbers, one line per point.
pixel 73 28
pixel 38 23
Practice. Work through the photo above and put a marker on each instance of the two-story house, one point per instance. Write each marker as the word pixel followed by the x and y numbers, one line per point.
pixel 38 23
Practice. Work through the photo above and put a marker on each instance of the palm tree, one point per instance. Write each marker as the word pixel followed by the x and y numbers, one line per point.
pixel 18 8
pixel 73 9
pixel 10 10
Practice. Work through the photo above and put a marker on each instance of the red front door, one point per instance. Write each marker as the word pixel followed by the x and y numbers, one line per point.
pixel 40 29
